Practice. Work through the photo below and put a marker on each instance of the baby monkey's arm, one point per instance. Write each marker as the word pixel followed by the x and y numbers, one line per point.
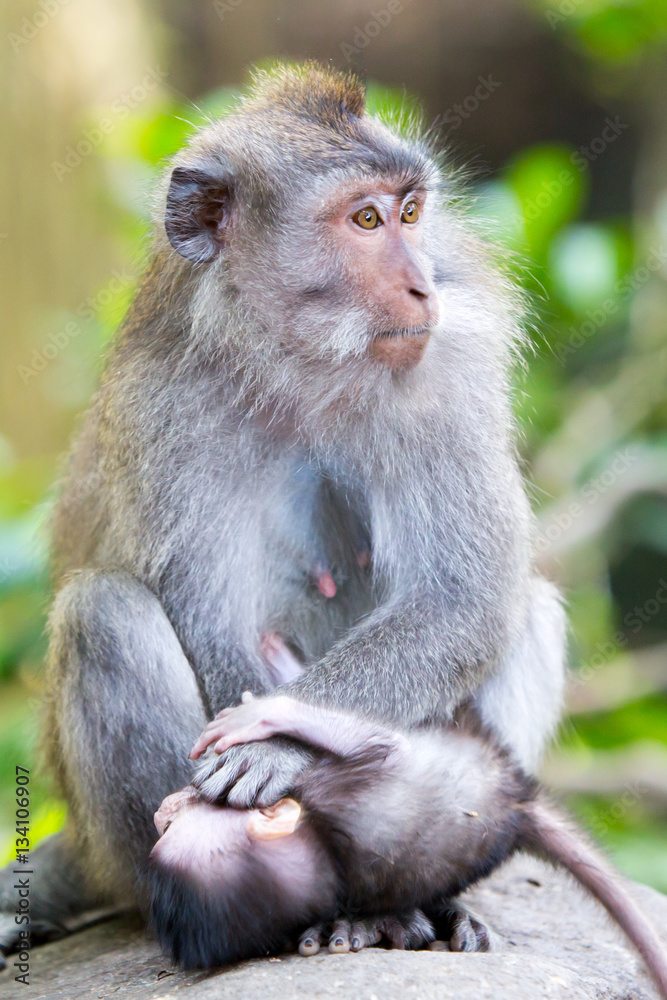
pixel 259 719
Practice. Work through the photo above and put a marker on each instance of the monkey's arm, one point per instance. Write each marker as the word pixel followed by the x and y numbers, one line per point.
pixel 256 719
pixel 452 551
pixel 409 663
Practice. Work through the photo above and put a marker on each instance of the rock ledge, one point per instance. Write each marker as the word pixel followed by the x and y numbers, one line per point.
pixel 554 943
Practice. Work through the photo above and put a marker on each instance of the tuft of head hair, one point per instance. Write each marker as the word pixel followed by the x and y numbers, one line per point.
pixel 202 926
pixel 309 90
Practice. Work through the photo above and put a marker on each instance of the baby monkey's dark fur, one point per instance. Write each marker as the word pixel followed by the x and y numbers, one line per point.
pixel 393 821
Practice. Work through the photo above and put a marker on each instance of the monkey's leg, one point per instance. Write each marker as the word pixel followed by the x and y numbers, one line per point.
pixel 57 894
pixel 124 708
pixel 522 701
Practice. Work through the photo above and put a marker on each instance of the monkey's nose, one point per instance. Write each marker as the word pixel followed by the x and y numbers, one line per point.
pixel 420 287
pixel 420 304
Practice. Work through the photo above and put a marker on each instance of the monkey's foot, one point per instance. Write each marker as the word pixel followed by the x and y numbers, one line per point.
pixel 409 931
pixel 344 936
pixel 11 939
pixel 464 929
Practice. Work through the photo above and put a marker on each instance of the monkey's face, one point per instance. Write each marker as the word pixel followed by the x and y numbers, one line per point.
pixel 376 232
pixel 320 233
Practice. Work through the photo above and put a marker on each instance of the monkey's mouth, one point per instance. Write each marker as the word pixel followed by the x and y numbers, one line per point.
pixel 402 333
pixel 399 348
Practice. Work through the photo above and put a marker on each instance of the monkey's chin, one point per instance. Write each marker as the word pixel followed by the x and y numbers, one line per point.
pixel 399 350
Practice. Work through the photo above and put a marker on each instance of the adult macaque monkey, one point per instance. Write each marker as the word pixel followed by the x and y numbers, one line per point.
pixel 304 430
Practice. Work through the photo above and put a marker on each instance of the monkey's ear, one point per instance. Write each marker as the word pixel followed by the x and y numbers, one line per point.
pixel 275 821
pixel 197 213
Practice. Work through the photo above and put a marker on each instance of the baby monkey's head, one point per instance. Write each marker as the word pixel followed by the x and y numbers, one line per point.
pixel 226 884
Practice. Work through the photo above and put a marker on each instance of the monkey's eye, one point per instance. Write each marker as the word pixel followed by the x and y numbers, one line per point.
pixel 367 218
pixel 411 212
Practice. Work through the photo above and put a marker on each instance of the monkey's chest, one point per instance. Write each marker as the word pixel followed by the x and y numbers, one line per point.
pixel 320 553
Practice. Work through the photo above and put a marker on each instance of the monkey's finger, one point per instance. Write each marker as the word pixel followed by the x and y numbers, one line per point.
pixel 249 734
pixel 248 788
pixel 224 713
pixel 199 748
pixel 339 942
pixel 310 941
pixel 204 741
pixel 215 778
pixel 214 731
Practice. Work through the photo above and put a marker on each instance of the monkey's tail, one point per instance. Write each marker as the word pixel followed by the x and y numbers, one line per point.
pixel 549 836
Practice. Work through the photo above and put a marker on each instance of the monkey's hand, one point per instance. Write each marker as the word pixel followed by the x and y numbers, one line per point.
pixel 254 719
pixel 252 774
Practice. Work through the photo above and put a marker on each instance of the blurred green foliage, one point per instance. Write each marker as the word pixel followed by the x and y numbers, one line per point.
pixel 588 278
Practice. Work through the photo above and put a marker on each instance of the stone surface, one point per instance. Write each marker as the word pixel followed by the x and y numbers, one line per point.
pixel 554 943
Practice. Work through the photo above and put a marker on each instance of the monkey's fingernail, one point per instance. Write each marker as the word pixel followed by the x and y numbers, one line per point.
pixel 355 943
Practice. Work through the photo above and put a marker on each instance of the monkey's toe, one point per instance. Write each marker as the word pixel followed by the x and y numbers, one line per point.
pixel 310 941
pixel 339 942
pixel 468 932
pixel 364 935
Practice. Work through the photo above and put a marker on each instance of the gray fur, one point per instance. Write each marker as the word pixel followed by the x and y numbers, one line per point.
pixel 240 431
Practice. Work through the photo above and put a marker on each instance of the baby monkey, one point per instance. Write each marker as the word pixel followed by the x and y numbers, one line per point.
pixel 384 821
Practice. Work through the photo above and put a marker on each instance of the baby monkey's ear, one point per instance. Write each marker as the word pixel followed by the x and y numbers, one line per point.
pixel 275 821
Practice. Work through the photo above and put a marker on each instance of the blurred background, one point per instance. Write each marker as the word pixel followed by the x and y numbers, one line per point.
pixel 556 112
